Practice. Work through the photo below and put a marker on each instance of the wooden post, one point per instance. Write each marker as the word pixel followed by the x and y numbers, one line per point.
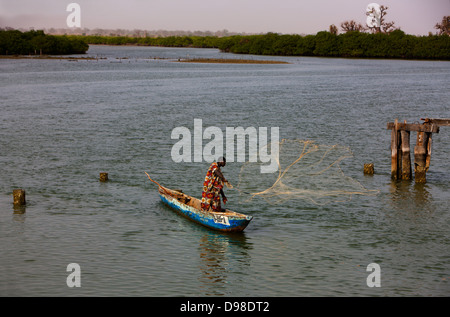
pixel 406 156
pixel 19 197
pixel 395 142
pixel 431 123
pixel 428 159
pixel 420 157
pixel 401 149
pixel 103 177
pixel 369 169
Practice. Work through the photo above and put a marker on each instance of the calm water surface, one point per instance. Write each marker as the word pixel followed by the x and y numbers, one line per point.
pixel 63 122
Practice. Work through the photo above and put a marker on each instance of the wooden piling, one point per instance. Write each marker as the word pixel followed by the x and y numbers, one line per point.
pixel 369 169
pixel 428 158
pixel 420 157
pixel 401 149
pixel 19 197
pixel 406 155
pixel 103 177
pixel 395 140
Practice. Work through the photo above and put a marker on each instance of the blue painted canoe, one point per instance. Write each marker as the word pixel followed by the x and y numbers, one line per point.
pixel 189 207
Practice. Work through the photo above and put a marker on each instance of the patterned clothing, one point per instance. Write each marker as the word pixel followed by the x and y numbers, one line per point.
pixel 211 189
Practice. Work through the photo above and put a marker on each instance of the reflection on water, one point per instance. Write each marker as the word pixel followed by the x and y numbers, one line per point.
pixel 19 217
pixel 220 255
pixel 414 227
pixel 421 194
pixel 19 209
pixel 410 197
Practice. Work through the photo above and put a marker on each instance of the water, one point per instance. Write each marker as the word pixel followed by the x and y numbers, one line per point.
pixel 63 122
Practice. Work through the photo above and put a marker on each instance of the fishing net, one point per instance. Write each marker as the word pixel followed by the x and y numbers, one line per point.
pixel 306 171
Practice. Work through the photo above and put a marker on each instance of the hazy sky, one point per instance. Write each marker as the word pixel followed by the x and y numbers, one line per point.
pixel 251 16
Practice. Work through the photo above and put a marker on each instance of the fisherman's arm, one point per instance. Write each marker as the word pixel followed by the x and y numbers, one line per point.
pixel 224 198
pixel 219 174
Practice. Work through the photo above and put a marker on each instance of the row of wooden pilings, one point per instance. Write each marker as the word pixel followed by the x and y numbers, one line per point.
pixel 401 167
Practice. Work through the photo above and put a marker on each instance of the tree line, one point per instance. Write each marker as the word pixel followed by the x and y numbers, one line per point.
pixel 395 44
pixel 15 42
pixel 383 41
pixel 169 41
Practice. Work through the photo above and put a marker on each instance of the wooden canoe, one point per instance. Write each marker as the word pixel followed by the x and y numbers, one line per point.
pixel 189 207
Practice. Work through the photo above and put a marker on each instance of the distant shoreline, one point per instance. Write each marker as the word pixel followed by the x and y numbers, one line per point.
pixel 192 60
pixel 46 57
pixel 229 61
pixel 394 45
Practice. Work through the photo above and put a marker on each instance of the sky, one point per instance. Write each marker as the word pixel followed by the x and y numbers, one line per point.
pixel 417 17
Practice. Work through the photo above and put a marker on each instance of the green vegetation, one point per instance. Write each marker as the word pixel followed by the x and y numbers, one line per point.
pixel 14 42
pixel 395 44
pixel 170 41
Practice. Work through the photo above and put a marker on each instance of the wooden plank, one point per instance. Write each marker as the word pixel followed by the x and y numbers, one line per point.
pixel 439 122
pixel 433 128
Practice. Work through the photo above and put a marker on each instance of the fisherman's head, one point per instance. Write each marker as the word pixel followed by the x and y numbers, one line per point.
pixel 221 161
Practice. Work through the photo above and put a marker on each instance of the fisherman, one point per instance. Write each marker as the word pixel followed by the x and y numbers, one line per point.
pixel 213 187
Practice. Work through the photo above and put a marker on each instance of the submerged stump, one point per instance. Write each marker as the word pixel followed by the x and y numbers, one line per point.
pixel 369 169
pixel 103 177
pixel 19 197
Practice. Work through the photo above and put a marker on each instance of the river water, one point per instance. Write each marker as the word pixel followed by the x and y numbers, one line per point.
pixel 65 121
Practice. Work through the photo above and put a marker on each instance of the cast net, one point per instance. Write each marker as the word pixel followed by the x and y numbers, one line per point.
pixel 306 171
